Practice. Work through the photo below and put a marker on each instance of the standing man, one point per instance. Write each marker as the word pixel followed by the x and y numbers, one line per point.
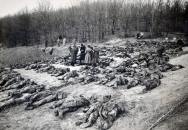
pixel 59 40
pixel 95 56
pixel 82 54
pixel 74 52
pixel 46 43
pixel 160 51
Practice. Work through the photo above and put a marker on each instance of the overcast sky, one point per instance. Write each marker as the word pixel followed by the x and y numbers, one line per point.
pixel 14 6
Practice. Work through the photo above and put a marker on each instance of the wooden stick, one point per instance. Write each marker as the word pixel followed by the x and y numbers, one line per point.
pixel 164 116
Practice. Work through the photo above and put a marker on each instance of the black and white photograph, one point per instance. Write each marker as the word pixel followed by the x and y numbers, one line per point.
pixel 93 64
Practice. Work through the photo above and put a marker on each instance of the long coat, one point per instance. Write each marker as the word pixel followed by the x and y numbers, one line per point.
pixel 89 56
pixel 74 52
pixel 82 53
pixel 95 57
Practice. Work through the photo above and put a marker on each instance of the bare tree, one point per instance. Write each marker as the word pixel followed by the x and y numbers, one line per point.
pixel 93 21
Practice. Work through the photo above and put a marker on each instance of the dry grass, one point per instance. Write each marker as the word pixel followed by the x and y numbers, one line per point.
pixel 21 55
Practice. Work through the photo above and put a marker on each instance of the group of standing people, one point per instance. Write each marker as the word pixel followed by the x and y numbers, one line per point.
pixel 87 55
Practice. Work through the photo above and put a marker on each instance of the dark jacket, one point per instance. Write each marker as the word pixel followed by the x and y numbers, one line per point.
pixel 74 52
pixel 82 52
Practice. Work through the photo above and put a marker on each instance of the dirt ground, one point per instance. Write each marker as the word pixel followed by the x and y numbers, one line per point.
pixel 143 108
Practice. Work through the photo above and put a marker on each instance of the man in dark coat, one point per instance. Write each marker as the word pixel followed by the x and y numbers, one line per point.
pixel 59 40
pixel 95 57
pixel 160 51
pixel 74 52
pixel 82 54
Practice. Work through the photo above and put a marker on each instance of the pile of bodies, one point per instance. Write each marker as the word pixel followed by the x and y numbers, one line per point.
pixel 142 64
pixel 48 68
pixel 20 90
pixel 100 112
pixel 143 67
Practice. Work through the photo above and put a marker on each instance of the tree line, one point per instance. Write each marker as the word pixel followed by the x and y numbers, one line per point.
pixel 93 21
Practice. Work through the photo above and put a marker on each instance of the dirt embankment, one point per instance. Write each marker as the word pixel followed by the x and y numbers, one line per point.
pixel 23 55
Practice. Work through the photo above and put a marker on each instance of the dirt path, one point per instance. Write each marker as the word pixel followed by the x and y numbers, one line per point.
pixel 40 78
pixel 147 108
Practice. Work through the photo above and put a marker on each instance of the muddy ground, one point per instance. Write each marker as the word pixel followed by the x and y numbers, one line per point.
pixel 147 107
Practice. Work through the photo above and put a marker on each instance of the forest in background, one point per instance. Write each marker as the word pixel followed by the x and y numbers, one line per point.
pixel 93 21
